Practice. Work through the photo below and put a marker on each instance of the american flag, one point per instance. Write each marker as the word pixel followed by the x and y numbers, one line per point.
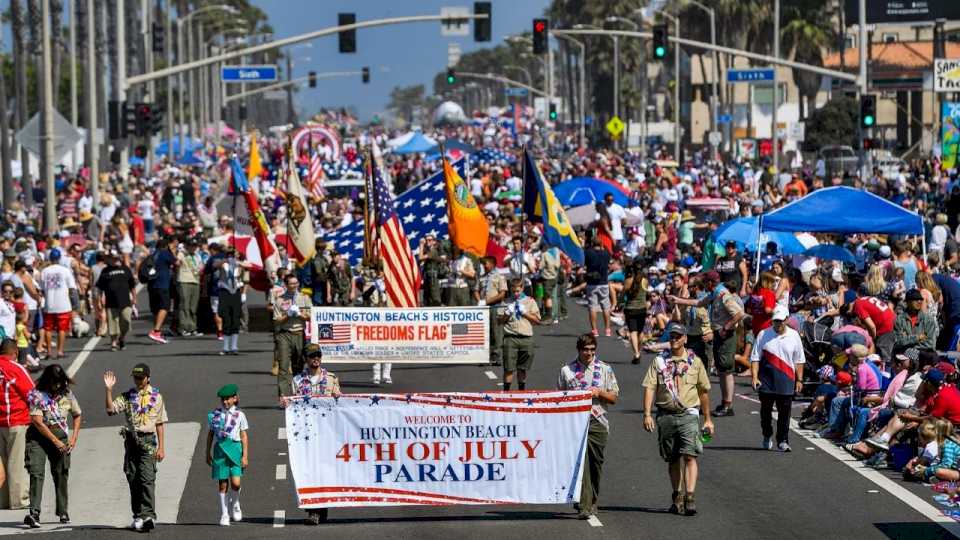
pixel 400 270
pixel 422 209
pixel 468 334
pixel 315 174
pixel 333 334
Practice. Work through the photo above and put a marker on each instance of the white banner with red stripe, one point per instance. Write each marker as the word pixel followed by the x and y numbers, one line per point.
pixel 438 449
pixel 419 335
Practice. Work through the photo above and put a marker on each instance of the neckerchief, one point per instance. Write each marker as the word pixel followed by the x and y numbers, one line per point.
pixel 47 404
pixel 222 422
pixel 670 370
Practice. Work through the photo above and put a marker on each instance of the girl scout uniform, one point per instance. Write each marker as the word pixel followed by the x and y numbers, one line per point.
pixel 226 426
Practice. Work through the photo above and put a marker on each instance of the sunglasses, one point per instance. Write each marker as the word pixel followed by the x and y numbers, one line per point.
pixel 588 349
pixel 674 337
pixel 312 356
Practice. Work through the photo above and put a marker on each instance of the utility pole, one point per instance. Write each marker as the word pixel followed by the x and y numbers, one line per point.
pixel 121 76
pixel 775 136
pixel 46 130
pixel 616 83
pixel 862 49
pixel 92 151
pixel 676 91
pixel 181 120
pixel 191 82
pixel 72 36
pixel 291 115
pixel 146 24
pixel 167 56
pixel 202 83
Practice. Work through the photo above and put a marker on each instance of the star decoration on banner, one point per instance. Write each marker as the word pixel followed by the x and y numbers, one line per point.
pixel 413 206
pixel 529 402
pixel 375 400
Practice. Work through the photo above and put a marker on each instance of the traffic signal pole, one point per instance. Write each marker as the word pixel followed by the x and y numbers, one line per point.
pixel 862 42
pixel 292 82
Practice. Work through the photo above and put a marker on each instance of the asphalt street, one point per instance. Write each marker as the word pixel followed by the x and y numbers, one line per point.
pixel 743 492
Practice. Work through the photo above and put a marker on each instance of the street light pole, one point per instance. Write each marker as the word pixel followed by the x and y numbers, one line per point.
pixel 167 57
pixel 776 87
pixel 46 131
pixel 92 150
pixel 120 77
pixel 72 33
pixel 715 102
pixel 583 82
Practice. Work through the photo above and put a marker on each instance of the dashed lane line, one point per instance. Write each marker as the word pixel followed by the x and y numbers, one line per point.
pixel 279 518
pixel 281 471
pixel 282 434
pixel 594 521
pixel 490 375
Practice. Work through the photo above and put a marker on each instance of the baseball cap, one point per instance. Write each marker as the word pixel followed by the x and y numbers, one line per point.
pixel 913 295
pixel 676 329
pixel 934 376
pixel 884 251
pixel 780 313
pixel 946 367
pixel 141 370
pixel 312 349
pixel 55 254
pixel 844 379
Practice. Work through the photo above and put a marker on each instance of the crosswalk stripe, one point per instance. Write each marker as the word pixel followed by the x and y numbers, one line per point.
pixel 281 471
pixel 279 518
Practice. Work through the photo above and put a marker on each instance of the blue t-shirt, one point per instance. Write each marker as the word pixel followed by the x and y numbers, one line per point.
pixel 163 262
pixel 951 296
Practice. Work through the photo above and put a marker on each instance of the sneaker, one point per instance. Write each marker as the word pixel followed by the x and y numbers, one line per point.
pixel 222 353
pixel 784 447
pixel 724 411
pixel 608 332
pixel 32 521
pixel 878 444
pixel 584 514
pixel 236 513
pixel 376 381
pixel 122 345
pixel 65 518
pixel 224 520
pixel 595 333
pixel 388 380
pixel 689 505
pixel 149 525
pixel 767 443
pixel 137 524
pixel 157 336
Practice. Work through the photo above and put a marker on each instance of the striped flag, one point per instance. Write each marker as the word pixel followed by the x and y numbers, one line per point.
pixel 315 175
pixel 333 334
pixel 400 270
pixel 469 334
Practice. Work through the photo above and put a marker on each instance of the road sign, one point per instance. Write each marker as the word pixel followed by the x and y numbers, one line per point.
pixel 65 136
pixel 615 127
pixel 715 138
pixel 750 75
pixel 515 91
pixel 247 74
pixel 455 22
pixel 723 119
pixel 747 148
pixel 798 131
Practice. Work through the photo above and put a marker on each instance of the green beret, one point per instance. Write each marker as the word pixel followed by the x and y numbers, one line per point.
pixel 227 390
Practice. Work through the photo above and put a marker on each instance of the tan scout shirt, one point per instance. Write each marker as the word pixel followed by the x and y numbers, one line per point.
pixel 519 326
pixel 694 381
pixel 282 304
pixel 139 413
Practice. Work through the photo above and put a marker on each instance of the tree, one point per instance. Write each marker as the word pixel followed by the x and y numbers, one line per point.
pixel 807 32
pixel 834 123
pixel 404 100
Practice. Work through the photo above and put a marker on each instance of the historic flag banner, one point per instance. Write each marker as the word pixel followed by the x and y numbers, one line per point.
pixel 415 336
pixel 438 449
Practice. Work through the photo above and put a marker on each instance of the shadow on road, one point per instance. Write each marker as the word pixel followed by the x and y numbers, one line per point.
pixel 910 531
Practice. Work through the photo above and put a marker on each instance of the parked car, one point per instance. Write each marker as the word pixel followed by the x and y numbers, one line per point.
pixel 838 160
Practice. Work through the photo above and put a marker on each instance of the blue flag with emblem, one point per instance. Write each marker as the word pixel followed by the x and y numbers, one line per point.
pixel 541 206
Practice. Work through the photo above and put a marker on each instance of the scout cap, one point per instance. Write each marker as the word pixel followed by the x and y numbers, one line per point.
pixel 227 390
pixel 676 329
pixel 312 349
pixel 141 370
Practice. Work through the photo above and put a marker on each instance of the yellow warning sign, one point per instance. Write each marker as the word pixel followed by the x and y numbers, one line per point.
pixel 615 127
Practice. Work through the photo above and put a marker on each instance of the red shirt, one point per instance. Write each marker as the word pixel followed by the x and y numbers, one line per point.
pixel 946 404
pixel 760 302
pixel 877 311
pixel 15 385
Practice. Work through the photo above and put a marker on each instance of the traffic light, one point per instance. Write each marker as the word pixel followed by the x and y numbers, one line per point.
pixel 481 27
pixel 114 120
pixel 660 41
pixel 348 38
pixel 541 27
pixel 870 143
pixel 140 151
pixel 312 79
pixel 143 119
pixel 868 110
pixel 366 75
pixel 158 37
pixel 553 112
pixel 451 76
pixel 129 124
pixel 242 113
pixel 157 113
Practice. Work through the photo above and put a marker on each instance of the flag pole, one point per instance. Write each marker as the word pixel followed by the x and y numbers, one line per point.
pixel 523 214
pixel 287 155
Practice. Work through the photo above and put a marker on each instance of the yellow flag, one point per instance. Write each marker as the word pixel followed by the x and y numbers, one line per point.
pixel 254 169
pixel 467 224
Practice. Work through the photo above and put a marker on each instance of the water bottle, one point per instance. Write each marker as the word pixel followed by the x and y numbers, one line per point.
pixel 538 291
pixel 705 436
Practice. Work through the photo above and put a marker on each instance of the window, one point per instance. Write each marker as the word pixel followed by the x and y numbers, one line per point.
pixel 850 41
pixel 889 37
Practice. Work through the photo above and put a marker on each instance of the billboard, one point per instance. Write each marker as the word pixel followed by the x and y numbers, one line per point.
pixel 903 11
pixel 946 75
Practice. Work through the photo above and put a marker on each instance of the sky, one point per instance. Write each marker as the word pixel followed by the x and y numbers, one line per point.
pixel 410 53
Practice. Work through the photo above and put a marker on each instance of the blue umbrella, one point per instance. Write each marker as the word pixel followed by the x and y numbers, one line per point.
pixel 586 190
pixel 745 231
pixel 831 252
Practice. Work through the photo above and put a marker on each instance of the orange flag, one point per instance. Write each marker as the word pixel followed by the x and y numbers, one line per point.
pixel 254 167
pixel 467 225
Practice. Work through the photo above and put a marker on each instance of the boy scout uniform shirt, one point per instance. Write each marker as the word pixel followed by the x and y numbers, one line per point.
pixel 145 422
pixel 494 284
pixel 608 383
pixel 693 382
pixel 550 264
pixel 520 326
pixel 282 304
pixel 723 308
pixel 697 321
pixel 67 405
pixel 189 271
pixel 316 389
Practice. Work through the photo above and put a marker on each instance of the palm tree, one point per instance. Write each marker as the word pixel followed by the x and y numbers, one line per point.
pixel 807 34
pixel 21 55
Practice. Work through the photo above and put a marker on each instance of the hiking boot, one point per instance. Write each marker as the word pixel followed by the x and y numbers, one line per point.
pixel 32 521
pixel 689 505
pixel 724 411
pixel 677 506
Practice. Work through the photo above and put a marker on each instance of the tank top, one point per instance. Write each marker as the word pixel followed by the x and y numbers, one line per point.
pixel 637 298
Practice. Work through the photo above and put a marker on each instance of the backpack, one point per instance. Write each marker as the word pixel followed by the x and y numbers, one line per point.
pixel 147 271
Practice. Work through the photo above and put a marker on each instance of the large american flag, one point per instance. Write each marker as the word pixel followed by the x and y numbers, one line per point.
pixel 315 174
pixel 422 209
pixel 400 270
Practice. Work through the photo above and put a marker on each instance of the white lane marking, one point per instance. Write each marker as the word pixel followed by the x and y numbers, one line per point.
pixel 748 398
pixel 873 491
pixel 281 471
pixel 82 357
pixel 284 453
pixel 906 497
pixel 490 375
pixel 279 518
pixel 594 521
pixel 282 433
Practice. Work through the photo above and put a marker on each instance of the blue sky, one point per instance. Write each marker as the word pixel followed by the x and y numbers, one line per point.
pixel 413 53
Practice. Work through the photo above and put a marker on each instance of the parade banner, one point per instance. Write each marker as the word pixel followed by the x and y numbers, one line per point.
pixel 421 335
pixel 950 135
pixel 438 449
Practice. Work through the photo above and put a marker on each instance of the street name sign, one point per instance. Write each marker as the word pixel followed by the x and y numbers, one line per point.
pixel 248 74
pixel 750 75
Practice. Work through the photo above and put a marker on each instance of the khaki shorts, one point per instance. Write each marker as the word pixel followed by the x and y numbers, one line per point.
pixel 517 353
pixel 678 435
pixel 599 297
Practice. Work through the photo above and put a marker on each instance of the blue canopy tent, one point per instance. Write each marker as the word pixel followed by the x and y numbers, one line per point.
pixel 831 252
pixel 746 233
pixel 191 160
pixel 453 144
pixel 417 144
pixel 189 146
pixel 586 190
pixel 844 210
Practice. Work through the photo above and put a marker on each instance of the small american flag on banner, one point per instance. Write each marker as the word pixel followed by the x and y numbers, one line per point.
pixel 333 334
pixel 468 334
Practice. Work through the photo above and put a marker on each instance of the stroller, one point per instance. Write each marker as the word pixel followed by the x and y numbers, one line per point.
pixel 817 349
